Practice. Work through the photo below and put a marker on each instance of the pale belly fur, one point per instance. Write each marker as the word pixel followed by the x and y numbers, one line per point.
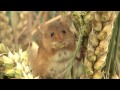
pixel 60 63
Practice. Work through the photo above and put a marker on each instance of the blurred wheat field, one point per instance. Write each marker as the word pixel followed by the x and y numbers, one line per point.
pixel 97 31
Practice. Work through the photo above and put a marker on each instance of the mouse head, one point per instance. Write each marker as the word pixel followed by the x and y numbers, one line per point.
pixel 57 35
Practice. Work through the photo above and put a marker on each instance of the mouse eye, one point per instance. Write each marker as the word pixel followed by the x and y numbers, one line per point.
pixel 52 34
pixel 63 31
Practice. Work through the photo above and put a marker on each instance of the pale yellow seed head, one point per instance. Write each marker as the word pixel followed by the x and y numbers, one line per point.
pixel 9 72
pixel 27 69
pixel 19 66
pixel 8 62
pixel 18 74
pixel 3 49
pixel 30 76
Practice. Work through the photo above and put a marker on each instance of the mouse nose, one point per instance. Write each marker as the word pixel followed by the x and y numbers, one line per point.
pixel 58 38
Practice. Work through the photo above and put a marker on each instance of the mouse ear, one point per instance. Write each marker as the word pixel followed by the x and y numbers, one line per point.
pixel 38 35
pixel 67 20
pixel 43 26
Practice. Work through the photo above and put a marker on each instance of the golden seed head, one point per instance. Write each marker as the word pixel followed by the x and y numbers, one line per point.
pixel 97 26
pixel 92 58
pixel 102 48
pixel 106 32
pixel 83 13
pixel 89 17
pixel 97 75
pixel 102 36
pixel 99 65
pixel 105 16
pixel 93 40
pixel 88 67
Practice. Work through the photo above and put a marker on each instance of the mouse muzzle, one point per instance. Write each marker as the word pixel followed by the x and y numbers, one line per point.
pixel 59 45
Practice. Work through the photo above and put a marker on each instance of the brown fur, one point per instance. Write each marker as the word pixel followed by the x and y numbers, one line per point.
pixel 52 61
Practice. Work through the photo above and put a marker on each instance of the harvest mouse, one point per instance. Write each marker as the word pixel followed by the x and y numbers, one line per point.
pixel 56 48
